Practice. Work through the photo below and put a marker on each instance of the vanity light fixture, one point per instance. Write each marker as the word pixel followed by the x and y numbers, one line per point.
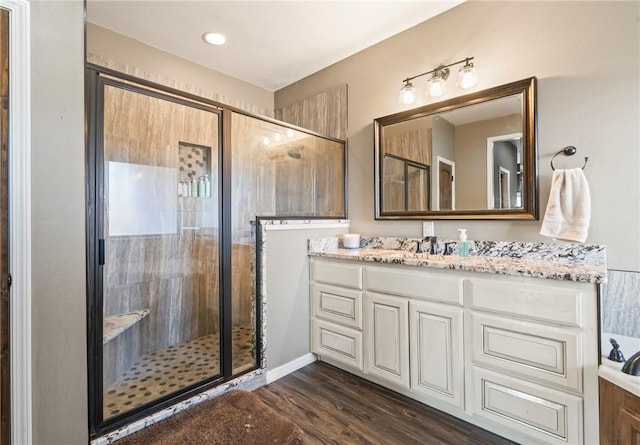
pixel 436 86
pixel 407 93
pixel 467 76
pixel 214 38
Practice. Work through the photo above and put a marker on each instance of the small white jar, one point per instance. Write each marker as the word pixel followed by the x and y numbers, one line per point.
pixel 351 241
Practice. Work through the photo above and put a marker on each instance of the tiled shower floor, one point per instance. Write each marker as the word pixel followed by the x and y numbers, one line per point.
pixel 164 371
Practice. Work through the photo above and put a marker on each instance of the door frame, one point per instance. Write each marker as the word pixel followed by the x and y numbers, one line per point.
pixel 491 204
pixel 436 200
pixel 505 173
pixel 20 219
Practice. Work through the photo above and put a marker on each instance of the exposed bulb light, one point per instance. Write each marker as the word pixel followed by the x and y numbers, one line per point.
pixel 289 133
pixel 214 38
pixel 265 141
pixel 277 137
pixel 436 86
pixel 407 93
pixel 467 76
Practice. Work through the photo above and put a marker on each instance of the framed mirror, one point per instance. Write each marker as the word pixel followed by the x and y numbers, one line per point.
pixel 470 157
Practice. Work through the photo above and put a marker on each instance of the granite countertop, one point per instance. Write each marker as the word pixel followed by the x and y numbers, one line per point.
pixel 557 261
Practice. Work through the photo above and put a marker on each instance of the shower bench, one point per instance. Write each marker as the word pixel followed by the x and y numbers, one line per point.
pixel 115 325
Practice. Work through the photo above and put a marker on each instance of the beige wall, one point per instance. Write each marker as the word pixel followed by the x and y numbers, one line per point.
pixel 58 224
pixel 586 57
pixel 208 83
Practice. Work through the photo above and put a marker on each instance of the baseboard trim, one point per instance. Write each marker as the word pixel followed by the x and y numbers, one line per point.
pixel 290 367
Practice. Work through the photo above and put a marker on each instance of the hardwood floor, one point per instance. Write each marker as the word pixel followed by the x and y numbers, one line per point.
pixel 335 407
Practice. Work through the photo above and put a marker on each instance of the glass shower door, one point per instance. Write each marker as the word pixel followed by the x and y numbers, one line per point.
pixel 161 300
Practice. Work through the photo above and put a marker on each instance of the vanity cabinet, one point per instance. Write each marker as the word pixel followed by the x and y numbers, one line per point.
pixel 516 355
pixel 619 415
pixel 526 355
pixel 430 322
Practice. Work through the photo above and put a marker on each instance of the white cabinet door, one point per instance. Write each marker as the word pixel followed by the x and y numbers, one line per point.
pixel 387 338
pixel 436 351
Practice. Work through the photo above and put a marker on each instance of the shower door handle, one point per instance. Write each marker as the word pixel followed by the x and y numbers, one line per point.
pixel 101 252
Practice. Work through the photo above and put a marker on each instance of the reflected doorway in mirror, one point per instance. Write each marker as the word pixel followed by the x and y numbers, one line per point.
pixel 445 190
pixel 504 171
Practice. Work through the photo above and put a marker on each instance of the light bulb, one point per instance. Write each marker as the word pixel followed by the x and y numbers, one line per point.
pixel 436 87
pixel 277 137
pixel 289 133
pixel 467 76
pixel 407 93
pixel 265 141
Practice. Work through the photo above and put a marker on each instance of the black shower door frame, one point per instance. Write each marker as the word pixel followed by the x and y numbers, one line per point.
pixel 96 79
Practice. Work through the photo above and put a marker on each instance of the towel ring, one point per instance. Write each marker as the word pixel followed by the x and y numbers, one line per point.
pixel 568 151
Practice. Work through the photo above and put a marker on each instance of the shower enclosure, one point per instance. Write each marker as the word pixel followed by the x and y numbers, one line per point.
pixel 175 183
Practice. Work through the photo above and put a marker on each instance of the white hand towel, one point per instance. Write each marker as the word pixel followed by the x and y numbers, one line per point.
pixel 569 208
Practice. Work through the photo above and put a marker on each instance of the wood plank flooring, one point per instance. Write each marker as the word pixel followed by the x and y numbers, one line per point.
pixel 335 407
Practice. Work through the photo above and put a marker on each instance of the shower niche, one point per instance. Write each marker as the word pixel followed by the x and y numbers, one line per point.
pixel 194 171
pixel 173 307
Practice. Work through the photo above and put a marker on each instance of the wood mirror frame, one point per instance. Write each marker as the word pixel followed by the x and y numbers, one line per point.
pixel 524 202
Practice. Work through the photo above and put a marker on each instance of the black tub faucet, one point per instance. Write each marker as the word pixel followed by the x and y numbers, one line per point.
pixel 615 354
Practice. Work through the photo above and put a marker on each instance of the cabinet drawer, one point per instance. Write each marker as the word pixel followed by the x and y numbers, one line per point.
pixel 549 416
pixel 348 275
pixel 338 304
pixel 422 285
pixel 545 303
pixel 542 352
pixel 337 342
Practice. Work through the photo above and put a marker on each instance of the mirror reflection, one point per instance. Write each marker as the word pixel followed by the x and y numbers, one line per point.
pixel 469 157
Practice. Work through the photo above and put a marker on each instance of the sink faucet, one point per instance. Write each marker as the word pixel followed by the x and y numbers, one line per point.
pixel 433 240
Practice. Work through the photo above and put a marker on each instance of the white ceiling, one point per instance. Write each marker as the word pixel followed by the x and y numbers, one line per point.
pixel 269 44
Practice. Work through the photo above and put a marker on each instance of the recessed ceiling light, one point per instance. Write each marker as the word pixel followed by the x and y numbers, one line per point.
pixel 214 38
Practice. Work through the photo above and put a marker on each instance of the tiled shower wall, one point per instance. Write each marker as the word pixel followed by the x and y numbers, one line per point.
pixel 324 113
pixel 620 308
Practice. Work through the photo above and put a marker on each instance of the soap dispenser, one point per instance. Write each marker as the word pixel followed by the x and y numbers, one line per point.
pixel 463 244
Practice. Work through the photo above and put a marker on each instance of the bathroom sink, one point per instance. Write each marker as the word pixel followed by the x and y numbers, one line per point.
pixel 401 254
pixel 386 253
pixel 390 253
